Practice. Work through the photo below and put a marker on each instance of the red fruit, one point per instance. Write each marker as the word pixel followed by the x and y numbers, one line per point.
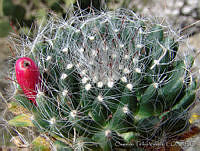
pixel 28 77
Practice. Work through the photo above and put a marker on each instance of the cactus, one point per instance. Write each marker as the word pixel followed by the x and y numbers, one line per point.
pixel 109 80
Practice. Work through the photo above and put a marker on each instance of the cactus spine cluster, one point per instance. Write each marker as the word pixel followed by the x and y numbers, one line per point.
pixel 109 80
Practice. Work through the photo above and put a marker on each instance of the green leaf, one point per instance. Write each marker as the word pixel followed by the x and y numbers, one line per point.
pixel 22 120
pixel 40 144
pixel 16 12
pixel 63 141
pixel 56 7
pixel 51 2
pixel 41 18
pixel 8 7
pixel 19 13
pixel 1 7
pixel 60 146
pixel 16 109
pixel 5 28
pixel 69 2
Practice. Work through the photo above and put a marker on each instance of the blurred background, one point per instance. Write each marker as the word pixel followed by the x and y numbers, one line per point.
pixel 22 16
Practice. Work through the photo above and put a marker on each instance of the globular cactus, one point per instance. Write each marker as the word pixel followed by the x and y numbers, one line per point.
pixel 109 80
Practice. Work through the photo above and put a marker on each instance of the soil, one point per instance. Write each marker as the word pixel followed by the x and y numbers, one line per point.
pixel 4 53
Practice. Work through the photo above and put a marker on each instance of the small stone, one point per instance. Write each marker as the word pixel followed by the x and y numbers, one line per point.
pixel 187 9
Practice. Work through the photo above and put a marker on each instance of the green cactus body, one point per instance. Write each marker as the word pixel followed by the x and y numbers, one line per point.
pixel 111 78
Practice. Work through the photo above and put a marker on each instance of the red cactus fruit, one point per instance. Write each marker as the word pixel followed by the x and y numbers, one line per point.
pixel 28 77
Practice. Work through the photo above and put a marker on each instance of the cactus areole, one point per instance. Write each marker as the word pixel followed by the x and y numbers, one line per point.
pixel 27 75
